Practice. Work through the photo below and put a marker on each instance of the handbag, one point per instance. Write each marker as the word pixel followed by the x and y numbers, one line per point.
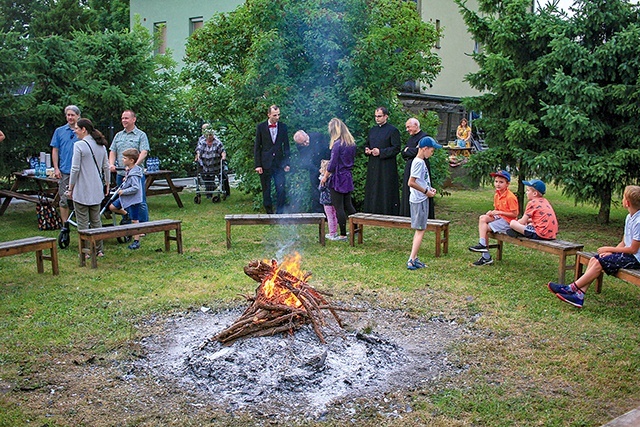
pixel 325 195
pixel 48 217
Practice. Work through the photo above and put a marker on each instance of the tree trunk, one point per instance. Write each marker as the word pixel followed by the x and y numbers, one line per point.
pixel 605 206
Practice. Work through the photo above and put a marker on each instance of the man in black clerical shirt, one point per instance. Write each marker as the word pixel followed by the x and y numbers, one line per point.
pixel 382 192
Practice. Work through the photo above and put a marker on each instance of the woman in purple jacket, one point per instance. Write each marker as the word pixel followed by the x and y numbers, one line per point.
pixel 343 154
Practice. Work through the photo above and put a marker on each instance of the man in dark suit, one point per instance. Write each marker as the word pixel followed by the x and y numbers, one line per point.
pixel 271 158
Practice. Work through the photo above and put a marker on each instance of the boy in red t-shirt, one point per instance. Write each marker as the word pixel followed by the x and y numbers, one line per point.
pixel 539 220
pixel 505 209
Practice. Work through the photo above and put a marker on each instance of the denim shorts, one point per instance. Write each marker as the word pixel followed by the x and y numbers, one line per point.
pixel 133 210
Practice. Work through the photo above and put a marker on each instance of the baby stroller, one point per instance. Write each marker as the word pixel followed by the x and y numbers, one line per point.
pixel 212 182
pixel 63 237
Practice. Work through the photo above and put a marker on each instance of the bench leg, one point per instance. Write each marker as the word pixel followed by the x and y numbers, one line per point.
pixel 438 232
pixel 360 232
pixel 321 231
pixel 445 243
pixel 167 240
pixel 499 251
pixel 562 268
pixel 228 234
pixel 179 238
pixel 54 259
pixel 352 232
pixel 39 262
pixel 94 253
pixel 81 259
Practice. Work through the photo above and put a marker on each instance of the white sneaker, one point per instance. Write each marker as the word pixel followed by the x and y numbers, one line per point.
pixel 331 236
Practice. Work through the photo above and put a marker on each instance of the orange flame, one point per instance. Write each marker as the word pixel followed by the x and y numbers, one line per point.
pixel 271 288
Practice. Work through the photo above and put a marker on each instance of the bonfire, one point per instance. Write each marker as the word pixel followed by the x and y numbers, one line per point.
pixel 283 302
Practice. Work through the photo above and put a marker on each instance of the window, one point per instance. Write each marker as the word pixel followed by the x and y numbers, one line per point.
pixel 160 37
pixel 195 23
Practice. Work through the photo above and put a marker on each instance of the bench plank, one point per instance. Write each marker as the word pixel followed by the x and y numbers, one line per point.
pixel 93 235
pixel 438 226
pixel 562 248
pixel 34 244
pixel 628 275
pixel 276 219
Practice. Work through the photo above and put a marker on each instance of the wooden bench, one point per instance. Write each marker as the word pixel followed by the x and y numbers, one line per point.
pixel 276 219
pixel 37 245
pixel 628 275
pixel 358 220
pixel 93 235
pixel 562 248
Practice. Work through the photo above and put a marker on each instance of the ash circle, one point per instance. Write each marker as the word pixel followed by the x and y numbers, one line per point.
pixel 378 351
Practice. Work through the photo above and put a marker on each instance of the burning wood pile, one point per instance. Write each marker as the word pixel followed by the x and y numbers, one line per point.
pixel 283 302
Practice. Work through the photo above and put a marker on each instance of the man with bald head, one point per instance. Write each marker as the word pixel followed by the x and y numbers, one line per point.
pixel 409 152
pixel 312 147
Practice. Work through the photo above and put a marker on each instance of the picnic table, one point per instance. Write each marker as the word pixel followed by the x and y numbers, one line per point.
pixel 153 187
pixel 22 188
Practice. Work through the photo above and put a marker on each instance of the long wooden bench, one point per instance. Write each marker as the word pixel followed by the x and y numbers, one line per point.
pixel 34 244
pixel 276 219
pixel 628 275
pixel 358 220
pixel 93 235
pixel 562 248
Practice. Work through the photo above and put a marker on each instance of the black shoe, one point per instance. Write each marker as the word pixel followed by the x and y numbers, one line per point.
pixel 478 248
pixel 483 261
pixel 513 233
pixel 125 220
pixel 268 209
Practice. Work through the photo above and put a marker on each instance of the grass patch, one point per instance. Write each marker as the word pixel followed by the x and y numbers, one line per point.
pixel 529 360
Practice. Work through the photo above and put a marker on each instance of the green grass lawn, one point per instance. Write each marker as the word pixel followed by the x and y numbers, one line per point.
pixel 531 359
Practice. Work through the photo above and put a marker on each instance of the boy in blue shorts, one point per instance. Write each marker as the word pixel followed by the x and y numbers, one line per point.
pixel 130 192
pixel 419 192
pixel 609 259
pixel 505 209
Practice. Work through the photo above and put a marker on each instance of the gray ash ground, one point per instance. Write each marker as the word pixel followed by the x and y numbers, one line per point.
pixel 379 351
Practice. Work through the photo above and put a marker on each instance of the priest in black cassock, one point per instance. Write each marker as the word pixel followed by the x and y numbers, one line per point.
pixel 382 191
pixel 409 152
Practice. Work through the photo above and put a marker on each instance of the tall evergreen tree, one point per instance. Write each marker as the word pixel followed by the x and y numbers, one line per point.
pixel 594 102
pixel 513 76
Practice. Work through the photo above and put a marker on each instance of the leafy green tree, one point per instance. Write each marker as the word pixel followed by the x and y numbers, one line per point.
pixel 316 59
pixel 594 108
pixel 513 77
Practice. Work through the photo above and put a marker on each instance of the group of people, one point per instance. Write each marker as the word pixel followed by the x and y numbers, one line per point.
pixel 83 168
pixel 271 162
pixel 539 221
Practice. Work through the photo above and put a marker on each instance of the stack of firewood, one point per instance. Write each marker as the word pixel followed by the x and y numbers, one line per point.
pixel 283 302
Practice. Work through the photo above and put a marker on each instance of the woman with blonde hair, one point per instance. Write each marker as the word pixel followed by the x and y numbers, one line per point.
pixel 338 174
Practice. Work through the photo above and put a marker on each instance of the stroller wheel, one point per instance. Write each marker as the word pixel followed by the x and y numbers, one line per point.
pixel 63 238
pixel 197 199
pixel 215 199
pixel 125 239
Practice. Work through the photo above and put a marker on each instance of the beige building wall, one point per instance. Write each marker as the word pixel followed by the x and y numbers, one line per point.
pixel 455 47
pixel 176 19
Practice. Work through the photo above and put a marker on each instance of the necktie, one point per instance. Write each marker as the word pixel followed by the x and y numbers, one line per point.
pixel 273 125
